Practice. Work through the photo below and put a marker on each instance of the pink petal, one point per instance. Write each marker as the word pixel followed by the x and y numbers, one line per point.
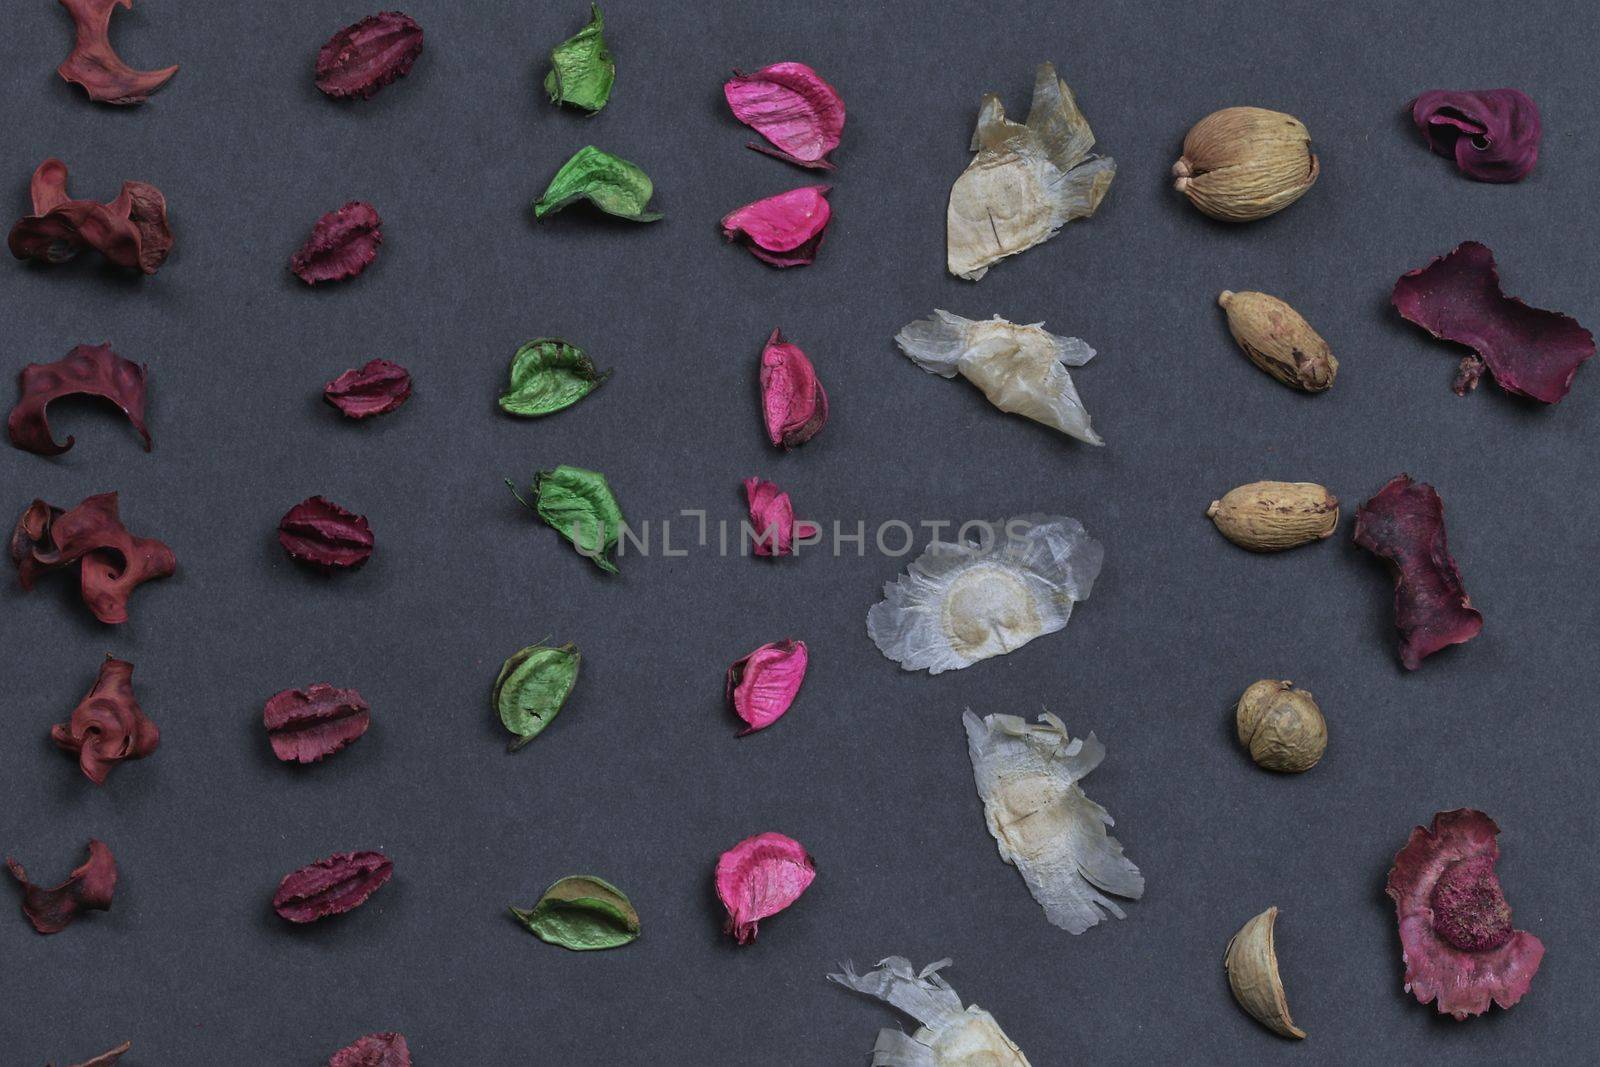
pixel 759 877
pixel 763 684
pixel 792 398
pixel 791 106
pixel 772 520
pixel 783 230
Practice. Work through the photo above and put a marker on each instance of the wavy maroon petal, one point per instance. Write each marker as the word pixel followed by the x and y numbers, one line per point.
pixel 342 244
pixel 387 1049
pixel 107 726
pixel 130 231
pixel 772 522
pixel 88 888
pixel 95 65
pixel 311 724
pixel 319 532
pixel 784 230
pixel 793 401
pixel 111 561
pixel 331 886
pixel 374 389
pixel 1492 134
pixel 88 370
pixel 762 686
pixel 793 108
pixel 759 877
pixel 365 56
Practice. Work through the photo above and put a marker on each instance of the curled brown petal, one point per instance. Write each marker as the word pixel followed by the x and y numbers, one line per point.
pixel 88 370
pixel 88 888
pixel 130 231
pixel 112 562
pixel 95 65
pixel 107 726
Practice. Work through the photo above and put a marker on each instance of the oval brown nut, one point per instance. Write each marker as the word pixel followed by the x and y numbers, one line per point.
pixel 1281 726
pixel 1273 516
pixel 1279 341
pixel 1245 163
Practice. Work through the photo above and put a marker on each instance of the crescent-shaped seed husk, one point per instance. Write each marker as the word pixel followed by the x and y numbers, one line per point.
pixel 1252 965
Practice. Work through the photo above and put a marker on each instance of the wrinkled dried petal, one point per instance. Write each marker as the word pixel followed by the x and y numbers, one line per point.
pixel 611 184
pixel 364 57
pixel 1529 351
pixel 1492 134
pixel 583 913
pixel 759 877
pixel 107 726
pixel 547 375
pixel 1043 823
pixel 111 561
pixel 387 1049
pixel 581 68
pixel 532 687
pixel 948 1036
pixel 792 107
pixel 773 528
pixel 95 65
pixel 784 230
pixel 311 724
pixel 88 888
pixel 106 1058
pixel 374 389
pixel 88 370
pixel 763 684
pixel 130 231
pixel 579 505
pixel 319 532
pixel 793 401
pixel 331 886
pixel 1404 526
pixel 342 244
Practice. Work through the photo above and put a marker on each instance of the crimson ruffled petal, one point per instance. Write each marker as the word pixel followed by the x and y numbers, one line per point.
pixel 1492 134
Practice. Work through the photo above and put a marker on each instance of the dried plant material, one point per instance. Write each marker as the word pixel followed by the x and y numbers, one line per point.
pixel 583 913
pixel 331 886
pixel 1043 823
pixel 793 402
pixel 1280 342
pixel 1252 965
pixel 365 56
pixel 791 106
pixel 107 726
pixel 342 244
pixel 1404 526
pixel 387 1049
pixel 532 687
pixel 1281 726
pixel 784 230
pixel 130 231
pixel 1273 516
pixel 948 1037
pixel 1529 351
pixel 95 65
pixel 1456 938
pixel 88 370
pixel 1492 134
pixel 1021 369
pixel 309 725
pixel 1245 163
pixel 549 375
pixel 762 686
pixel 759 877
pixel 578 504
pixel 581 68
pixel 374 389
pixel 111 561
pixel 106 1058
pixel 774 531
pixel 321 534
pixel 88 888
pixel 964 601
pixel 611 184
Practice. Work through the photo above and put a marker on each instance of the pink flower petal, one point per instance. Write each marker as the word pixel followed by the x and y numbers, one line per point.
pixel 763 684
pixel 783 230
pixel 772 521
pixel 791 106
pixel 759 877
pixel 792 398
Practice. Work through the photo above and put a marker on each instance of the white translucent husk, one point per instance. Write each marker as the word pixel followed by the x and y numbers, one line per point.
pixel 1044 825
pixel 1021 369
pixel 1026 181
pixel 961 602
pixel 949 1036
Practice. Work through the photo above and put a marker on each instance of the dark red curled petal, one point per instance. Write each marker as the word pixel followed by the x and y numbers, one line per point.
pixel 88 888
pixel 784 230
pixel 88 370
pixel 792 107
pixel 331 886
pixel 111 561
pixel 319 532
pixel 95 65
pixel 1492 134
pixel 375 389
pixel 311 724
pixel 387 1049
pixel 130 231
pixel 793 402
pixel 342 244
pixel 107 726
pixel 364 57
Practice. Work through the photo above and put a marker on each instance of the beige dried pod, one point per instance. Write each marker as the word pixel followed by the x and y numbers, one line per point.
pixel 1252 966
pixel 1244 163
pixel 1279 341
pixel 1281 726
pixel 1273 516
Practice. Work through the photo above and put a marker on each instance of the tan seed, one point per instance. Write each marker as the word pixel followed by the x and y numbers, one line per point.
pixel 1273 516
pixel 1279 341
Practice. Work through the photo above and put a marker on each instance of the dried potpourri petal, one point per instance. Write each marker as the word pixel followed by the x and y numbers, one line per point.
pixel 1026 181
pixel 793 401
pixel 95 65
pixel 1404 525
pixel 331 886
pixel 759 877
pixel 88 370
pixel 1456 936
pixel 962 602
pixel 130 231
pixel 532 687
pixel 342 244
pixel 581 68
pixel 948 1037
pixel 579 505
pixel 547 375
pixel 111 561
pixel 583 913
pixel 792 107
pixel 1043 823
pixel 107 726
pixel 1492 134
pixel 387 1049
pixel 784 230
pixel 88 888
pixel 365 56
pixel 763 684
pixel 611 184
pixel 374 389
pixel 321 533
pixel 106 1058
pixel 308 725
pixel 1531 352
pixel 773 528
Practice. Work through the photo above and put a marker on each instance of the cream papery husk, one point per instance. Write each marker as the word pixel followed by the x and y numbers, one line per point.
pixel 949 1036
pixel 959 603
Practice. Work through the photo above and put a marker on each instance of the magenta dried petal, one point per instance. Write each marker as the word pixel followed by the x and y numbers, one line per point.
pixel 1529 351
pixel 95 65
pixel 763 684
pixel 362 58
pixel 319 532
pixel 331 886
pixel 784 230
pixel 772 522
pixel 1492 134
pixel 387 1049
pixel 88 888
pixel 791 106
pixel 793 401
pixel 1404 525
pixel 311 724
pixel 342 244
pixel 759 877
pixel 88 370
pixel 375 389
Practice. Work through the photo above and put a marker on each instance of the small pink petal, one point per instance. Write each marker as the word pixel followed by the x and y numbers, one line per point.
pixel 772 522
pixel 759 877
pixel 783 230
pixel 763 684
pixel 791 106
pixel 792 398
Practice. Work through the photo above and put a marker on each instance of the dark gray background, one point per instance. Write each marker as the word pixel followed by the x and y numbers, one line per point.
pixel 641 779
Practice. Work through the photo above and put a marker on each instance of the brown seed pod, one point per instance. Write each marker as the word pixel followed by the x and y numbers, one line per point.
pixel 1245 163
pixel 1252 965
pixel 1279 341
pixel 1273 516
pixel 1281 726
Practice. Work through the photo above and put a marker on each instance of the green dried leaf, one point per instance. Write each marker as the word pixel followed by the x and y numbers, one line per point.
pixel 532 686
pixel 581 68
pixel 547 375
pixel 613 185
pixel 582 913
pixel 579 504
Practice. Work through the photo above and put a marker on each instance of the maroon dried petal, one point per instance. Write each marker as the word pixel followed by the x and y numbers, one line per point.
pixel 377 388
pixel 784 230
pixel 88 888
pixel 792 107
pixel 95 65
pixel 387 1049
pixel 106 1058
pixel 111 561
pixel 362 58
pixel 130 231
pixel 311 724
pixel 342 244
pixel 107 726
pixel 792 398
pixel 1492 134
pixel 1404 525
pixel 1529 351
pixel 331 886
pixel 319 532
pixel 88 370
